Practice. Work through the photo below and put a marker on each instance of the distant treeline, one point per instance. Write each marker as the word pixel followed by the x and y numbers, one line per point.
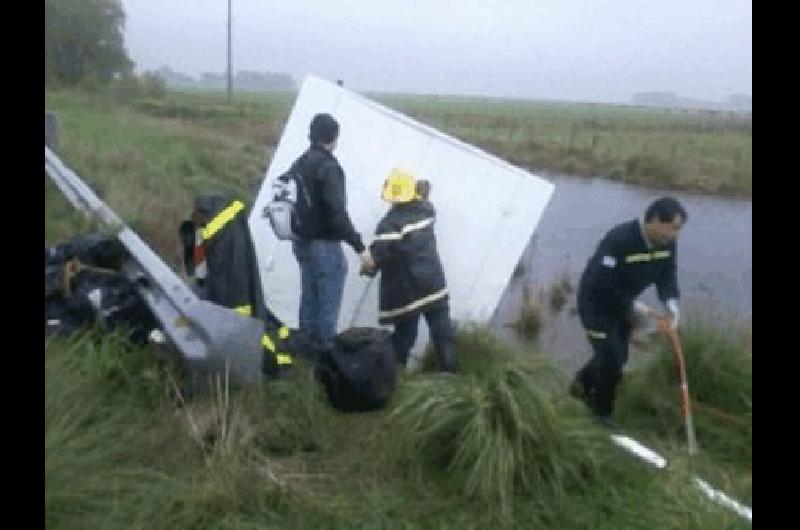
pixel 242 80
pixel 735 103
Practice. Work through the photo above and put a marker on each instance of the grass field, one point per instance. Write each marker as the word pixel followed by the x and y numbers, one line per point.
pixel 498 446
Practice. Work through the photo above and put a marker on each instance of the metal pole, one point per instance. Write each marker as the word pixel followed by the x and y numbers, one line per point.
pixel 680 366
pixel 230 78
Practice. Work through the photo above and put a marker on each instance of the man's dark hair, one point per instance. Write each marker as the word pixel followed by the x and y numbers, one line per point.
pixel 323 129
pixel 665 209
pixel 423 188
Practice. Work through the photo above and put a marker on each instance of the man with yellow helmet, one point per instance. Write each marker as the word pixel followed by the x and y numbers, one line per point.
pixel 412 277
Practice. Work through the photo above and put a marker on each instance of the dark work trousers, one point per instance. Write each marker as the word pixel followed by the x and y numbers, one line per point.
pixel 441 331
pixel 598 379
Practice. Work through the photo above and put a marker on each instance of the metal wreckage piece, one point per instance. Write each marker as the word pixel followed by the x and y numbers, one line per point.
pixel 208 335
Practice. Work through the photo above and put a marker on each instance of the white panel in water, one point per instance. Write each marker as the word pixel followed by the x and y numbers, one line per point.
pixel 486 208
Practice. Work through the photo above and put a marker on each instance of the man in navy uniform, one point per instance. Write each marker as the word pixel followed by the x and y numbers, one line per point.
pixel 631 257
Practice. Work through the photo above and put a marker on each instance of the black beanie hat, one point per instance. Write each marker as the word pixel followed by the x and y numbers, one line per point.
pixel 324 129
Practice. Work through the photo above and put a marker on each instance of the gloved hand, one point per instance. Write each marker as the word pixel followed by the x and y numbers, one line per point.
pixel 674 311
pixel 643 318
pixel 367 263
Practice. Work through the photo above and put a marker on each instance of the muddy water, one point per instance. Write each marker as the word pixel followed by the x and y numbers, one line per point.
pixel 715 269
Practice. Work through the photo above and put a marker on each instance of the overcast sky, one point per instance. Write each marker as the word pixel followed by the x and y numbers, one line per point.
pixel 585 50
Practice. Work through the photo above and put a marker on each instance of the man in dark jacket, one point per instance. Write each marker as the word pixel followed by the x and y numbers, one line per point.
pixel 319 253
pixel 631 257
pixel 412 278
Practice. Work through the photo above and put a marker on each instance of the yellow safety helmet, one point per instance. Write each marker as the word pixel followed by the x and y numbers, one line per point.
pixel 399 188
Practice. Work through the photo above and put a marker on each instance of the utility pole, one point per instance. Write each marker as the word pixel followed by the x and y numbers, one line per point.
pixel 230 74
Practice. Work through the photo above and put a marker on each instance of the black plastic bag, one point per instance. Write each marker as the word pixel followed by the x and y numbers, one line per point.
pixel 359 374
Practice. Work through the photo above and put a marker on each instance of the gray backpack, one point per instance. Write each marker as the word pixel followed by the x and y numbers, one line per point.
pixel 290 212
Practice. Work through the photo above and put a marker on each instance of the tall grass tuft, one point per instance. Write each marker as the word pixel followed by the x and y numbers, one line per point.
pixel 501 429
